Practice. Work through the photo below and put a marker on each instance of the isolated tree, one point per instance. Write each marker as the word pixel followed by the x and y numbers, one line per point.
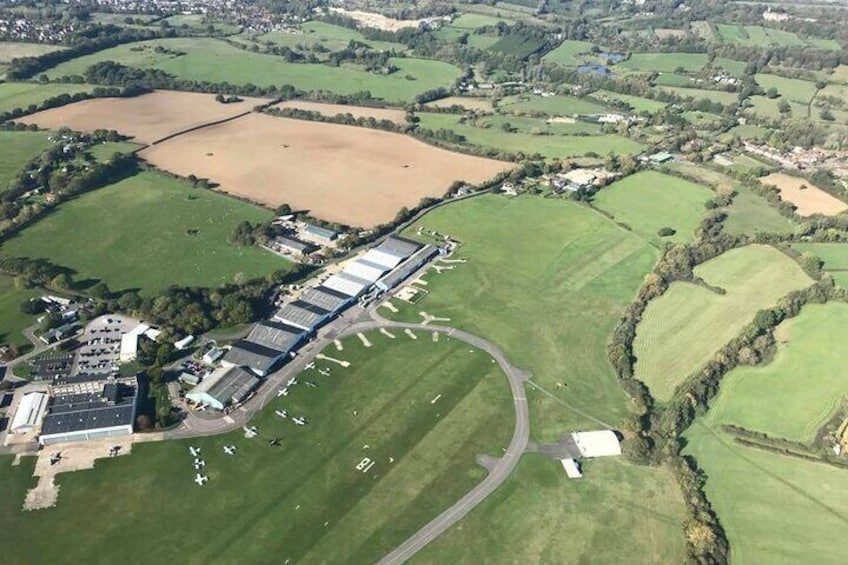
pixel 772 93
pixel 827 115
pixel 783 107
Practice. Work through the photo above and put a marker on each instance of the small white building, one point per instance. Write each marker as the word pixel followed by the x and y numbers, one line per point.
pixel 572 468
pixel 30 412
pixel 129 343
pixel 602 443
pixel 184 342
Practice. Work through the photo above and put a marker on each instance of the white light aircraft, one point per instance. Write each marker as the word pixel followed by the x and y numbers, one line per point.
pixel 309 366
pixel 200 479
pixel 300 421
pixel 195 451
pixel 310 384
pixel 325 372
pixel 283 392
pixel 230 449
pixel 281 413
pixel 250 432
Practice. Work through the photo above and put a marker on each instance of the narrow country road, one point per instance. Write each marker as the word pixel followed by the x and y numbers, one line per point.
pixel 355 322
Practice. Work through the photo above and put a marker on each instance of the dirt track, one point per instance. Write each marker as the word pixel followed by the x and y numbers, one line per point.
pixel 146 118
pixel 395 115
pixel 811 200
pixel 345 174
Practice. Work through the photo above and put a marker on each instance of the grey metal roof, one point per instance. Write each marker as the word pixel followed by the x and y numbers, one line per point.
pixel 325 298
pixel 275 335
pixel 233 386
pixel 409 267
pixel 399 246
pixel 321 232
pixel 248 354
pixel 296 244
pixel 302 314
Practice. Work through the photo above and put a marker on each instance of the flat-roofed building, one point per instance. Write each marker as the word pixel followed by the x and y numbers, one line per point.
pixel 109 411
pixel 398 246
pixel 225 386
pixel 348 284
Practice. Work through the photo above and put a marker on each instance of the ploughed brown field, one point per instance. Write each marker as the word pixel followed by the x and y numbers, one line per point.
pixel 347 174
pixel 809 200
pixel 392 114
pixel 146 118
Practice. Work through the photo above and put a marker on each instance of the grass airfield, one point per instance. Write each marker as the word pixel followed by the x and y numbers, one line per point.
pixel 306 500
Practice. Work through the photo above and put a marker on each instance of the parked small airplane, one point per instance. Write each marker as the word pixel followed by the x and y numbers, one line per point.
pixel 310 384
pixel 55 458
pixel 195 451
pixel 230 449
pixel 300 421
pixel 283 392
pixel 200 479
pixel 309 366
pixel 282 413
pixel 250 432
pixel 199 462
pixel 325 372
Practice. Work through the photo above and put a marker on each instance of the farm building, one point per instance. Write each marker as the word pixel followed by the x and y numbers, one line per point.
pixel 225 386
pixel 184 342
pixel 661 157
pixel 60 333
pixel 30 412
pixel 321 235
pixel 213 355
pixel 302 315
pixel 291 245
pixel 106 409
pixel 580 179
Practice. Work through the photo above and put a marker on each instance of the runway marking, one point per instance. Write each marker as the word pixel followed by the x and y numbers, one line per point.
pixel 363 339
pixel 337 361
pixel 339 346
pixel 411 335
pixel 387 333
pixel 435 337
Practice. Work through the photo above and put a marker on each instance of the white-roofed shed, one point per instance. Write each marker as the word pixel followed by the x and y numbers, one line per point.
pixel 30 412
pixel 603 443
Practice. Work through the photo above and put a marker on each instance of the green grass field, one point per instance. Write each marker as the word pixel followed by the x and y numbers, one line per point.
pixel 671 79
pixel 549 146
pixel 545 279
pixel 683 328
pixel 305 500
pixel 804 383
pixel 834 256
pixel 768 108
pixel 745 132
pixel 14 321
pixel 105 151
pixel 517 45
pixel 793 90
pixel 333 37
pixel 664 62
pixel 136 234
pixel 22 94
pixel 553 106
pixel 537 125
pixel 216 61
pixel 750 213
pixel 774 509
pixel 18 148
pixel 618 513
pixel 732 66
pixel 637 104
pixel 568 53
pixel 726 98
pixel 649 200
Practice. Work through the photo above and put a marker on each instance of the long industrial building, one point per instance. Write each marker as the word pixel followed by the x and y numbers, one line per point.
pixel 226 385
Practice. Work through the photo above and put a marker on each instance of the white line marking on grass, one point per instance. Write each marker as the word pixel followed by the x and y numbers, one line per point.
pixel 438 396
pixel 339 346
pixel 387 333
pixel 411 335
pixel 337 361
pixel 435 337
pixel 388 304
pixel 363 339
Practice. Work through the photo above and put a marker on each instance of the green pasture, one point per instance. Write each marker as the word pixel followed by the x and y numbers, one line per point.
pixel 773 508
pixel 792 89
pixel 18 147
pixel 726 98
pixel 333 37
pixel 105 151
pixel 549 146
pixel 701 119
pixel 750 36
pixel 750 213
pixel 216 61
pixel 768 108
pixel 833 255
pixel 748 132
pixel 23 94
pixel 683 328
pixel 664 62
pixel 536 126
pixel 147 232
pixel 672 79
pixel 549 293
pixel 568 53
pixel 553 105
pixel 804 383
pixel 618 513
pixel 732 66
pixel 637 104
pixel 517 45
pixel 744 163
pixel 304 500
pixel 649 200
pixel 13 320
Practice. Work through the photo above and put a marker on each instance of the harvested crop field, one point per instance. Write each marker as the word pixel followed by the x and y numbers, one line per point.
pixel 808 201
pixel 396 115
pixel 345 174
pixel 146 118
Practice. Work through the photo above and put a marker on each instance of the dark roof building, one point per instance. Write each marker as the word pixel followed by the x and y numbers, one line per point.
pixel 276 335
pixel 227 385
pixel 325 298
pixel 302 315
pixel 91 410
pixel 398 246
pixel 293 245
